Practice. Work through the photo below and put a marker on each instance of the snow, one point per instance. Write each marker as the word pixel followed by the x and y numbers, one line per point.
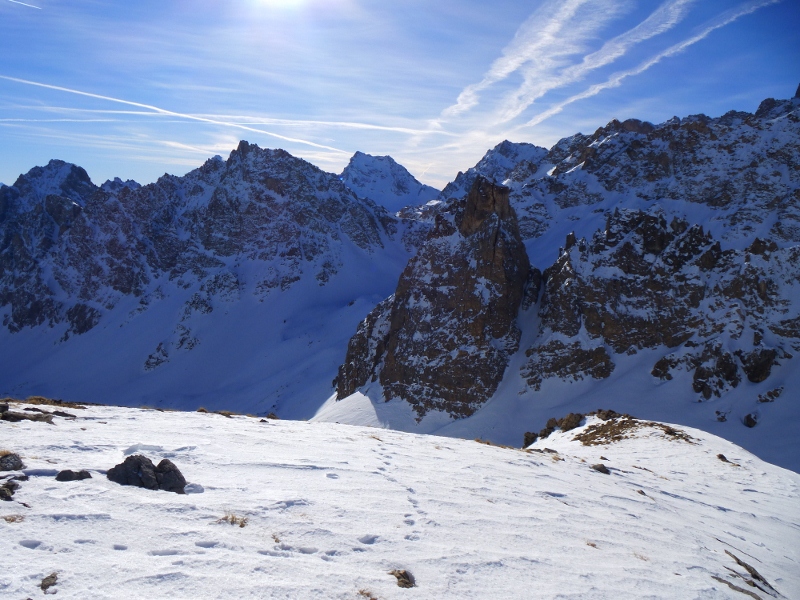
pixel 331 509
pixel 385 182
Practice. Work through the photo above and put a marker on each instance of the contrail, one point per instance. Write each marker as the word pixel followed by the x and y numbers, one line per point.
pixel 171 113
pixel 616 79
pixel 254 120
pixel 24 4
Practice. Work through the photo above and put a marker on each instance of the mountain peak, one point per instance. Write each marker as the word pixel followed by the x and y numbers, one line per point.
pixel 386 182
pixel 59 178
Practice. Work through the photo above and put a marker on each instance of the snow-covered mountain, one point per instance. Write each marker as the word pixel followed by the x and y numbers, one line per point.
pixel 384 181
pixel 663 282
pixel 666 271
pixel 235 284
pixel 615 509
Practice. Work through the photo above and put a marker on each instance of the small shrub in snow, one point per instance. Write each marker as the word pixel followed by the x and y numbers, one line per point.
pixel 13 518
pixel 404 578
pixel 232 519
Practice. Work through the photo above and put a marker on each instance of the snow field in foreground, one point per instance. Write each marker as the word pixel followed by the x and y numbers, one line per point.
pixel 331 509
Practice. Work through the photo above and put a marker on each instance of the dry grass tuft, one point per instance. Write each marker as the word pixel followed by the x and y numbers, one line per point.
pixel 365 593
pixel 592 544
pixel 232 519
pixel 41 400
pixel 622 428
pixel 5 453
pixel 226 413
pixel 13 518
pixel 488 443
pixel 202 410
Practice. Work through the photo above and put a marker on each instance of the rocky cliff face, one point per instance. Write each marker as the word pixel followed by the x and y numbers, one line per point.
pixel 644 282
pixel 679 242
pixel 443 341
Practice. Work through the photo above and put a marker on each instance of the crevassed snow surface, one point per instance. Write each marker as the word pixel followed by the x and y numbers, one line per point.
pixel 332 509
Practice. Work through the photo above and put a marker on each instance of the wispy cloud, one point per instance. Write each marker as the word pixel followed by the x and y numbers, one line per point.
pixel 26 4
pixel 537 83
pixel 617 79
pixel 558 30
pixel 162 111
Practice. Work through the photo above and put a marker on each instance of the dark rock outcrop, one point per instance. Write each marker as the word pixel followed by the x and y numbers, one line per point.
pixel 7 490
pixel 138 470
pixel 11 462
pixel 16 417
pixel 443 341
pixel 69 475
pixel 648 282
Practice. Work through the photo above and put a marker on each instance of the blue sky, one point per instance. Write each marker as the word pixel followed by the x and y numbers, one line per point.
pixel 137 89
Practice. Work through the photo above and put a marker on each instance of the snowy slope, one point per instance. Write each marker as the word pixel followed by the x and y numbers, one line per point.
pixel 384 181
pixel 332 509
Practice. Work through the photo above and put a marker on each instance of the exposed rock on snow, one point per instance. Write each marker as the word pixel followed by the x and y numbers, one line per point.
pixel 444 339
pixel 70 475
pixel 139 471
pixel 11 462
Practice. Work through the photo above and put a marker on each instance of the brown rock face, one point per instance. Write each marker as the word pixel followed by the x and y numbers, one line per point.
pixel 645 283
pixel 444 339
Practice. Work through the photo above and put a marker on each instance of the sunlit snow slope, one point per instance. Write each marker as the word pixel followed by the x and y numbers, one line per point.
pixel 331 509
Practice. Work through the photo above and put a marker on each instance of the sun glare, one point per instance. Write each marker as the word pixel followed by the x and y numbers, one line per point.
pixel 280 3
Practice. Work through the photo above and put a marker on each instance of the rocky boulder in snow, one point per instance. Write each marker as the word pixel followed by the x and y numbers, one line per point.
pixel 444 339
pixel 11 462
pixel 70 475
pixel 139 471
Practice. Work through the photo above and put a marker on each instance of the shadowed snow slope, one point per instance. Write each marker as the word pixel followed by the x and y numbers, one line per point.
pixel 331 509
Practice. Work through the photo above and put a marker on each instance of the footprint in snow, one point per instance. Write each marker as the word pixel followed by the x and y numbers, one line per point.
pixel 30 544
pixel 368 539
pixel 332 476
pixel 119 547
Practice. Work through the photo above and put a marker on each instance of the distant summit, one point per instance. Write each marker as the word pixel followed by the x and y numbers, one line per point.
pixel 383 180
